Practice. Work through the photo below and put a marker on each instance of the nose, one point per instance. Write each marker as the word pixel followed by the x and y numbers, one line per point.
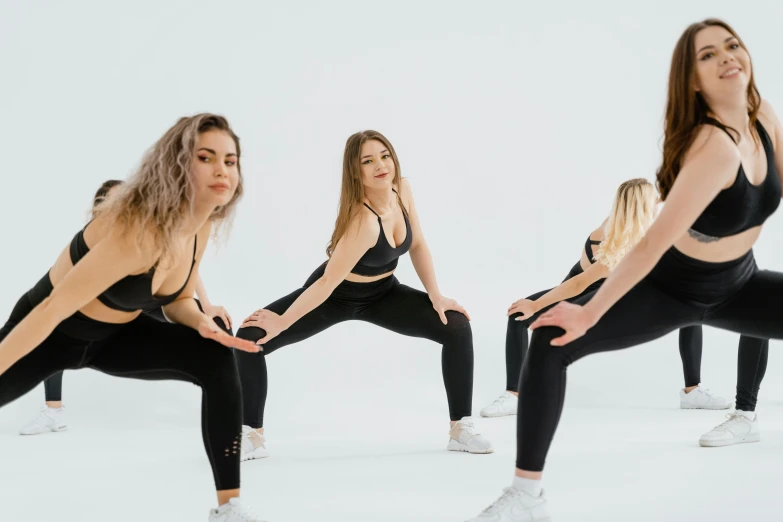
pixel 726 57
pixel 220 169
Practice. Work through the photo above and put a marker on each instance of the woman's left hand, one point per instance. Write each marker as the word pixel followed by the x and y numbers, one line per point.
pixel 572 318
pixel 217 311
pixel 443 304
pixel 268 321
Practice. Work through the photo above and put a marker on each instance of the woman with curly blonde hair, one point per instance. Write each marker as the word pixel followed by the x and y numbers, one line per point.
pixel 141 252
pixel 633 211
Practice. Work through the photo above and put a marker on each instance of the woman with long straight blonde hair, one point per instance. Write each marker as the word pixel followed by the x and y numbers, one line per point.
pixel 141 252
pixel 633 211
pixel 720 177
pixel 377 222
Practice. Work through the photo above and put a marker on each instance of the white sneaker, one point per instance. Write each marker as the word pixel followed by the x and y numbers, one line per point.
pixel 516 505
pixel 741 427
pixel 233 511
pixel 48 420
pixel 464 437
pixel 253 445
pixel 506 404
pixel 700 398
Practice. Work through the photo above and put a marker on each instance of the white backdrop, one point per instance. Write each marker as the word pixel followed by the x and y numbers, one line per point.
pixel 514 122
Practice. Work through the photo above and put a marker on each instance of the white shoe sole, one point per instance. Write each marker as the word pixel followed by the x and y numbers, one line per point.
pixel 755 437
pixel 499 414
pixel 684 407
pixel 259 453
pixel 55 429
pixel 455 445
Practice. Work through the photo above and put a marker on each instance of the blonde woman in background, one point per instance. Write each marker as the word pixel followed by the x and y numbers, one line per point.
pixel 633 211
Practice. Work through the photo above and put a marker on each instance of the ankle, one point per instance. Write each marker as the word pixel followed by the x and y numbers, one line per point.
pixel 689 389
pixel 515 394
pixel 532 486
pixel 54 405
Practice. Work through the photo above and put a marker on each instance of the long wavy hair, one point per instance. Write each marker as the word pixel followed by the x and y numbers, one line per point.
pixel 101 193
pixel 686 108
pixel 158 198
pixel 352 192
pixel 633 211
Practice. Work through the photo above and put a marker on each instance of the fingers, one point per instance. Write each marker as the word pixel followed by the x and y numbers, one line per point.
pixel 548 319
pixel 462 310
pixel 268 337
pixel 564 339
pixel 229 320
pixel 442 315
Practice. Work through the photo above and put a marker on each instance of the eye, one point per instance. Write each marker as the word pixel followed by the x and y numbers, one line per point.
pixel 205 159
pixel 707 56
pixel 386 156
pixel 231 163
pixel 366 162
pixel 734 45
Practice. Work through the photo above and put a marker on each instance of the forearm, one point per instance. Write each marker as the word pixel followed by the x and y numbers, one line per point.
pixel 309 300
pixel 632 269
pixel 562 292
pixel 422 263
pixel 26 336
pixel 184 311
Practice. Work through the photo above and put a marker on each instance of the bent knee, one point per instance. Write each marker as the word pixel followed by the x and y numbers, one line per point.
pixel 542 353
pixel 251 333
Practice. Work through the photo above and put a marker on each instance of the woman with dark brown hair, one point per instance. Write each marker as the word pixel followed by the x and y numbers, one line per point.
pixel 376 223
pixel 720 178
pixel 51 417
pixel 141 252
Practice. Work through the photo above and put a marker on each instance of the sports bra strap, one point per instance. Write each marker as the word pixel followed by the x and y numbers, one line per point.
pixel 371 210
pixel 716 123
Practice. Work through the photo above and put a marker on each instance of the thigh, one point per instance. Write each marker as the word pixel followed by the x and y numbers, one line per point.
pixel 756 310
pixel 319 319
pixel 642 315
pixel 150 349
pixel 408 311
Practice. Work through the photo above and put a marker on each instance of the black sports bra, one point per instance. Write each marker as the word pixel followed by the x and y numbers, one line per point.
pixel 743 205
pixel 133 292
pixel 382 257
pixel 589 249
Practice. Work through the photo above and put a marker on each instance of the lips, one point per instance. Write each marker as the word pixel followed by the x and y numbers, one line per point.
pixel 734 71
pixel 219 187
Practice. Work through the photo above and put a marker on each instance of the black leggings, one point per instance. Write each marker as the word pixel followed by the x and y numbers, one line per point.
pixel 679 292
pixel 386 303
pixel 751 360
pixel 53 386
pixel 147 349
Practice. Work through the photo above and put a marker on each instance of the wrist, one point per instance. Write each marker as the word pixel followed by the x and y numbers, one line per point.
pixel 593 315
pixel 434 295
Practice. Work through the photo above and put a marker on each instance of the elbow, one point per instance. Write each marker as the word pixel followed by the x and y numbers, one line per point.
pixel 326 284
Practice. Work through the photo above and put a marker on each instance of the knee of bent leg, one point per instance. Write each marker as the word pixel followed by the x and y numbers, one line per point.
pixel 542 354
pixel 457 326
pixel 513 323
pixel 251 333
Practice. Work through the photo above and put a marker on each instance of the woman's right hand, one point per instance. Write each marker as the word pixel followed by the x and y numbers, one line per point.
pixel 208 329
pixel 526 307
pixel 572 318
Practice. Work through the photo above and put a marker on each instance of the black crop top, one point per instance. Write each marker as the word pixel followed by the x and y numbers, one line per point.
pixel 133 292
pixel 382 257
pixel 589 249
pixel 743 205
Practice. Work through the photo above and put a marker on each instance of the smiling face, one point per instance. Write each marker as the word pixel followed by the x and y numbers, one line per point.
pixel 215 170
pixel 723 66
pixel 377 164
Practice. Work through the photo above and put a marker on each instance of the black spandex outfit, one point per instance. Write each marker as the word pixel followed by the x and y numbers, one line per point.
pixel 143 348
pixel 53 386
pixel 680 291
pixel 386 303
pixel 751 359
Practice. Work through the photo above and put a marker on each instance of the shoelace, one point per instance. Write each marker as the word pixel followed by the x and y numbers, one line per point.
pixel 504 500
pixel 733 419
pixel 502 398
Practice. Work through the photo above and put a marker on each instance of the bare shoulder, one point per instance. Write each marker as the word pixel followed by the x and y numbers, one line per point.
pixel 712 143
pixel 769 119
pixel 364 224
pixel 406 192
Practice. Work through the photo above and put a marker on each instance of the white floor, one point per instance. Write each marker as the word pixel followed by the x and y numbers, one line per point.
pixel 366 443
